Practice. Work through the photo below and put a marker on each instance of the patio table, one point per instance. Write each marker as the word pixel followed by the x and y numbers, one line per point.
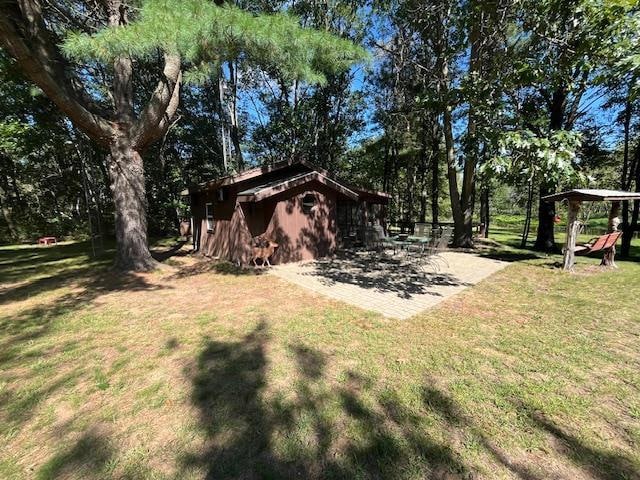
pixel 419 242
pixel 401 243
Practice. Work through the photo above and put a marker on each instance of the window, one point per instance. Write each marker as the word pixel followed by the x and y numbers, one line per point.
pixel 308 202
pixel 209 216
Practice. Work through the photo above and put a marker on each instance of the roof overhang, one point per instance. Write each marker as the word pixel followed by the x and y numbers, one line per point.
pixel 242 176
pixel 593 195
pixel 260 193
pixel 322 176
pixel 372 196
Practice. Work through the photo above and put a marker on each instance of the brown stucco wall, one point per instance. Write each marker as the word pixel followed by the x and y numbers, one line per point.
pixel 230 238
pixel 301 235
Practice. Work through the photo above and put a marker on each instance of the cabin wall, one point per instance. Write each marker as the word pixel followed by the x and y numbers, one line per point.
pixel 302 234
pixel 230 238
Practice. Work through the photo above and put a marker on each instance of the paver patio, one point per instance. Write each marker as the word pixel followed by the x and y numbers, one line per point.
pixel 394 286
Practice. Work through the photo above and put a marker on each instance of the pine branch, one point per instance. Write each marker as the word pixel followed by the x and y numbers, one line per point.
pixel 200 31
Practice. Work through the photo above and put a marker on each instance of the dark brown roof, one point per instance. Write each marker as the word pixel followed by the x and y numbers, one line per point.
pixel 260 192
pixel 240 177
pixel 276 185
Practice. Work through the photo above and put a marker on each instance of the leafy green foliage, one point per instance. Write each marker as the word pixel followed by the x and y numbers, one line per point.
pixel 12 136
pixel 379 127
pixel 201 32
pixel 40 183
pixel 527 156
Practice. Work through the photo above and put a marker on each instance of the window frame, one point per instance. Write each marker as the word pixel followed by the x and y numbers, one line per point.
pixel 208 216
pixel 309 207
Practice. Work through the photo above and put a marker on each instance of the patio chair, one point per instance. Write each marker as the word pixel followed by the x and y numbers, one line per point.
pixel 382 240
pixel 422 230
pixel 438 245
pixel 422 251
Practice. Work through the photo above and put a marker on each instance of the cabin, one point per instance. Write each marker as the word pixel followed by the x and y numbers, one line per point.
pixel 305 210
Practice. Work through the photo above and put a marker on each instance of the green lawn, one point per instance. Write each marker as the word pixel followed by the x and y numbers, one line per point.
pixel 203 371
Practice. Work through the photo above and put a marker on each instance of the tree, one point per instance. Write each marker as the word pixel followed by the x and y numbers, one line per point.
pixel 299 120
pixel 92 78
pixel 41 187
pixel 563 46
pixel 527 159
pixel 483 89
pixel 620 77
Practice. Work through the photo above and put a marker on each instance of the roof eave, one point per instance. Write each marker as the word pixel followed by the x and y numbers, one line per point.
pixel 585 197
pixel 311 176
pixel 242 176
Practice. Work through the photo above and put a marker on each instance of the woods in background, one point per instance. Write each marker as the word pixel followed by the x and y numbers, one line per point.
pixel 461 108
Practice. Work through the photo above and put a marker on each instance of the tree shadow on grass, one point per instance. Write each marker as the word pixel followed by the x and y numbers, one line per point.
pixel 215 266
pixel 34 322
pixel 18 264
pixel 162 254
pixel 87 458
pixel 439 402
pixel 510 256
pixel 73 289
pixel 601 464
pixel 80 282
pixel 252 433
pixel 311 428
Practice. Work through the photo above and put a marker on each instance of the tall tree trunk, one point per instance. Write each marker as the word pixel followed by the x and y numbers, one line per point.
pixel 624 176
pixel 126 175
pixel 423 198
pixel 410 194
pixel 452 173
pixel 545 238
pixel 435 172
pixel 125 167
pixel 527 220
pixel 7 214
pixel 6 166
pixel 233 117
pixel 484 211
pixel 634 219
pixel 449 145
pixel 629 228
pixel 387 168
pixel 463 235
pixel 422 170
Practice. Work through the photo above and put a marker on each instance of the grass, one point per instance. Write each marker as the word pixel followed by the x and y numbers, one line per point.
pixel 204 371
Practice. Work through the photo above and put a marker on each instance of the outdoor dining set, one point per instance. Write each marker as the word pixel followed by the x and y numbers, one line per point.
pixel 424 247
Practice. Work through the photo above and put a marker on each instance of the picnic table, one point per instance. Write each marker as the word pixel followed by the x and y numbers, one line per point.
pixel 47 241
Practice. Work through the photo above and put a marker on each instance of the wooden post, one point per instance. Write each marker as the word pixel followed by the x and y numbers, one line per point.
pixel 614 217
pixel 609 258
pixel 572 233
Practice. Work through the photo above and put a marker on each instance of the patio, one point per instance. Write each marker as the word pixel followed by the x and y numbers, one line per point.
pixel 394 286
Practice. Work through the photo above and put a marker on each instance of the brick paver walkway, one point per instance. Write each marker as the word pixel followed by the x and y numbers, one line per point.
pixel 396 287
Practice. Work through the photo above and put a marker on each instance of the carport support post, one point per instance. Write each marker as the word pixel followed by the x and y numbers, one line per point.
pixel 572 233
pixel 609 258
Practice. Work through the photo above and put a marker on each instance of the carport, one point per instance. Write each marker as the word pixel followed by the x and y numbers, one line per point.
pixel 575 198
